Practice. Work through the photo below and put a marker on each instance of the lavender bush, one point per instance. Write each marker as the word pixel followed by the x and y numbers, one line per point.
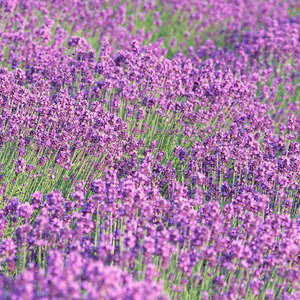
pixel 149 149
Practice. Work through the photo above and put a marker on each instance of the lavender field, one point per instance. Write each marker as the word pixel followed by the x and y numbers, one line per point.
pixel 149 149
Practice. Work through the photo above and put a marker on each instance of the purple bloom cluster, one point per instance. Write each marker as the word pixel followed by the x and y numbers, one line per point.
pixel 141 159
pixel 68 279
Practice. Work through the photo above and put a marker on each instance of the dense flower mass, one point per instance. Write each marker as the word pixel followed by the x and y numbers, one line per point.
pixel 149 149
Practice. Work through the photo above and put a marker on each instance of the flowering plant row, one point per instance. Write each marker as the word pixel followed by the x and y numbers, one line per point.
pixel 149 150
